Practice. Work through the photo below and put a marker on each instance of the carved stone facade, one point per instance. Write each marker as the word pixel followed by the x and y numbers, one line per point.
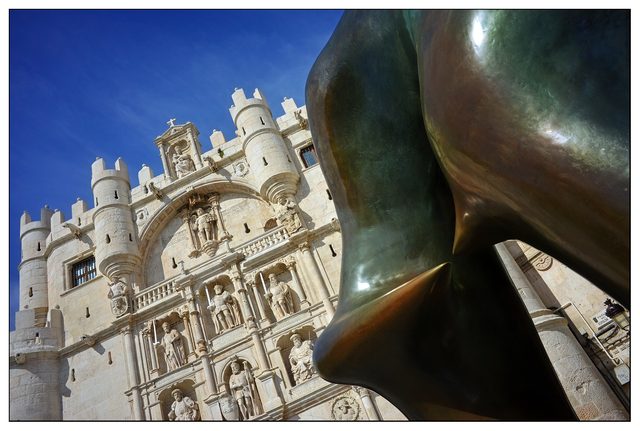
pixel 198 294
pixel 200 277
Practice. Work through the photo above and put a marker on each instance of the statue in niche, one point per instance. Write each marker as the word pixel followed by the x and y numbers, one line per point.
pixel 243 388
pixel 173 349
pixel 183 408
pixel 279 297
pixel 202 224
pixel 182 163
pixel 287 214
pixel 118 291
pixel 301 359
pixel 225 310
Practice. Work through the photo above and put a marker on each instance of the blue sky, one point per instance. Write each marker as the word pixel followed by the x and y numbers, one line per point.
pixel 91 83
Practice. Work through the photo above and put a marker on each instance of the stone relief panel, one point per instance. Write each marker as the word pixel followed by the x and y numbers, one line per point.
pixel 119 296
pixel 288 214
pixel 241 168
pixel 345 408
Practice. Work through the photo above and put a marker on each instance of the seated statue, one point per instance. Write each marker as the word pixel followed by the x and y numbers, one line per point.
pixel 183 408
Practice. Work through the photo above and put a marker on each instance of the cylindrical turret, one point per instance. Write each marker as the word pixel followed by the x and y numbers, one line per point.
pixel 263 145
pixel 116 243
pixel 34 293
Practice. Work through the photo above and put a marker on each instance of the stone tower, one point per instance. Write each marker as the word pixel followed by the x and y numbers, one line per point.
pixel 263 146
pixel 116 244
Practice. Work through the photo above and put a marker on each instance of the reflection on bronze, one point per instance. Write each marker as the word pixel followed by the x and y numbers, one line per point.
pixel 441 133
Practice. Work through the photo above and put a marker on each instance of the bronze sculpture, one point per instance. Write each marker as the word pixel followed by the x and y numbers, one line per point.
pixel 441 133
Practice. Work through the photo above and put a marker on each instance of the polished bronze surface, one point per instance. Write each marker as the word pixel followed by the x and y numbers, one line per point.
pixel 429 146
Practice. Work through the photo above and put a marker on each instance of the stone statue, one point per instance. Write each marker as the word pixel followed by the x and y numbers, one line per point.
pixel 173 349
pixel 204 225
pixel 279 297
pixel 242 385
pixel 287 213
pixel 301 359
pixel 224 309
pixel 118 292
pixel 183 408
pixel 182 163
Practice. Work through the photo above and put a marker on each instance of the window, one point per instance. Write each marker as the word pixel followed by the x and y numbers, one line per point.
pixel 308 155
pixel 83 271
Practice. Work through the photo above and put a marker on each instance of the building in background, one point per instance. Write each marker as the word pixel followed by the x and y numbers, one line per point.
pixel 198 293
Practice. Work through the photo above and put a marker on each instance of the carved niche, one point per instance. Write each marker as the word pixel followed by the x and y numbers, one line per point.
pixel 279 297
pixel 244 401
pixel 224 307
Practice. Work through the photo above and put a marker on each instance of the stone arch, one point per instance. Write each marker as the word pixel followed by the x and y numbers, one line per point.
pixel 169 210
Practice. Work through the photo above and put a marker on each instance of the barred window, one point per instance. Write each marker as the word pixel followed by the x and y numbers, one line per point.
pixel 308 155
pixel 83 271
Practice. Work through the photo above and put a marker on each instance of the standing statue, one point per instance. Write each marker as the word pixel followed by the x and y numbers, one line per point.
pixel 287 213
pixel 243 389
pixel 279 297
pixel 203 225
pixel 118 292
pixel 173 349
pixel 224 309
pixel 183 408
pixel 301 359
pixel 182 163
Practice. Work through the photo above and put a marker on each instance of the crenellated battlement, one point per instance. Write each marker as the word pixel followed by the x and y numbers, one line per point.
pixel 26 225
pixel 100 172
pixel 240 103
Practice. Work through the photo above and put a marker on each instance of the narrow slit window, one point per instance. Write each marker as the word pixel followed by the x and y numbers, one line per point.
pixel 110 361
pixel 88 315
pixel 130 238
pixel 308 155
pixel 333 252
pixel 243 132
pixel 265 161
pixel 30 292
pixel 96 201
pixel 83 271
pixel 108 239
pixel 246 228
pixel 329 194
pixel 116 194
pixel 175 265
pixel 262 121
pixel 38 245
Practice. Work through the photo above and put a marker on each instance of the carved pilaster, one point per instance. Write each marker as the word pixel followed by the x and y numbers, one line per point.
pixel 250 281
pixel 250 319
pixel 316 278
pixel 183 312
pixel 200 341
pixel 365 397
pixel 134 381
pixel 290 262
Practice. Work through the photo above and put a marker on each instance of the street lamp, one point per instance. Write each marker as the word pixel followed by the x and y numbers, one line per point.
pixel 616 313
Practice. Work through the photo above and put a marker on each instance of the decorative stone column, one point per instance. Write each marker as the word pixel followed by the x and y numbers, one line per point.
pixel 291 266
pixel 256 294
pixel 365 397
pixel 129 348
pixel 148 338
pixel 316 278
pixel 589 395
pixel 165 163
pixel 249 318
pixel 199 339
pixel 214 201
pixel 183 312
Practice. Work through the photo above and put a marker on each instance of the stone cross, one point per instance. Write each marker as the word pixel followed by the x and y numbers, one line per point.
pixel 170 122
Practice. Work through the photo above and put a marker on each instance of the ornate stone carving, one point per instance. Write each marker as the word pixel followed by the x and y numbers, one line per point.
pixel 182 163
pixel 244 391
pixel 213 167
pixel 287 214
pixel 156 192
pixel 142 215
pixel 118 294
pixel 302 122
pixel 88 340
pixel 301 360
pixel 183 408
pixel 279 297
pixel 224 309
pixel 171 342
pixel 543 263
pixel 362 392
pixel 202 225
pixel 345 408
pixel 241 168
pixel 74 229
